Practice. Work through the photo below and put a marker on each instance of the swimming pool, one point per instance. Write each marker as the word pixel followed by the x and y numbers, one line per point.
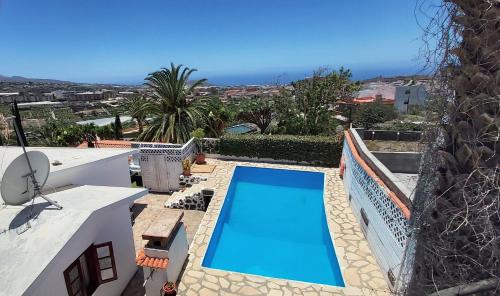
pixel 239 129
pixel 273 223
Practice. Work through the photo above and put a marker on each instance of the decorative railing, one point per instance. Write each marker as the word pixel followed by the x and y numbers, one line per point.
pixel 172 152
pixel 382 214
pixel 361 180
pixel 161 164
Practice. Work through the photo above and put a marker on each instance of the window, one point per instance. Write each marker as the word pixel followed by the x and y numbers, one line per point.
pixel 94 267
pixel 106 268
pixel 73 278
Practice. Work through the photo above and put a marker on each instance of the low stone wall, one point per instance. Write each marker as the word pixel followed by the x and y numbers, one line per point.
pixel 192 202
pixel 385 135
pixel 400 162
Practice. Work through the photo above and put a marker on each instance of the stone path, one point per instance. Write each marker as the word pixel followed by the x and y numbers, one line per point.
pixel 361 273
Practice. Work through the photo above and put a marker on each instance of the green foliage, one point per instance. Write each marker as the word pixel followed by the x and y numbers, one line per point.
pixel 369 114
pixel 186 164
pixel 396 125
pixel 259 111
pixel 105 132
pixel 198 135
pixel 136 108
pixel 174 117
pixel 57 133
pixel 218 116
pixel 313 149
pixel 308 112
pixel 117 128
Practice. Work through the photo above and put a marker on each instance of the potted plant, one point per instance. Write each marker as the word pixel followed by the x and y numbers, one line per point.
pixel 186 167
pixel 198 135
pixel 169 288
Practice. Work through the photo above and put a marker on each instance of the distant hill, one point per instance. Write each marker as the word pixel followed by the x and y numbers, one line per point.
pixel 395 78
pixel 36 80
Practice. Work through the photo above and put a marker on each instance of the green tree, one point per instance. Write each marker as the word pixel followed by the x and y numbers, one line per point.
pixel 174 117
pixel 308 108
pixel 105 132
pixel 372 113
pixel 259 111
pixel 218 116
pixel 57 133
pixel 136 108
pixel 117 128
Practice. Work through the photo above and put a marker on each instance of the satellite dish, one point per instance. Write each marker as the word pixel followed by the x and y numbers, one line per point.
pixel 24 178
pixel 17 187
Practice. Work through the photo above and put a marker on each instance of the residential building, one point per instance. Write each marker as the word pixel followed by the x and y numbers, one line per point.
pixel 409 95
pixel 87 247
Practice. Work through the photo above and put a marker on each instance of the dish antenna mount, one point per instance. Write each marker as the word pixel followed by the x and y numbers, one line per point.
pixel 24 178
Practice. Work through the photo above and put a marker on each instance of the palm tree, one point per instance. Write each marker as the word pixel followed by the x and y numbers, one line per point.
pixel 136 108
pixel 174 117
pixel 217 117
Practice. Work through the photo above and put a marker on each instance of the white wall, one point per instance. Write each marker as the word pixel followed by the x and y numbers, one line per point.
pixel 108 172
pixel 107 224
pixel 365 193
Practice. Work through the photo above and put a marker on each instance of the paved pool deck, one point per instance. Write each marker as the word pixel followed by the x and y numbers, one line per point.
pixel 361 273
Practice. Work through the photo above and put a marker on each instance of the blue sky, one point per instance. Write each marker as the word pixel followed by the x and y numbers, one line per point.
pixel 123 40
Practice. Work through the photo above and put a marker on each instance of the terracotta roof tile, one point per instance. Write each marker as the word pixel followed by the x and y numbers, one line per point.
pixel 152 262
pixel 108 144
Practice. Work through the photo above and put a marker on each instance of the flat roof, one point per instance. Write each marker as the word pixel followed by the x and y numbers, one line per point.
pixel 39 103
pixel 27 251
pixel 407 183
pixel 69 157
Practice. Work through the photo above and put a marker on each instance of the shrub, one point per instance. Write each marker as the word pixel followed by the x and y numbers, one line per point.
pixel 321 150
pixel 370 114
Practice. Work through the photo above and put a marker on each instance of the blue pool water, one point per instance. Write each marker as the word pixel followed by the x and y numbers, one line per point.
pixel 239 129
pixel 273 224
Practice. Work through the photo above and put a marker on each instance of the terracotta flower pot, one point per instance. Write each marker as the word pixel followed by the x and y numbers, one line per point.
pixel 200 158
pixel 186 172
pixel 169 289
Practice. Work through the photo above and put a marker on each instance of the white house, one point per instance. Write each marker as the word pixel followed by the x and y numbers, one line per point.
pixel 86 248
pixel 73 166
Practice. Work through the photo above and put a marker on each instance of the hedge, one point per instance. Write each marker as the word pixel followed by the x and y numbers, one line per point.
pixel 322 150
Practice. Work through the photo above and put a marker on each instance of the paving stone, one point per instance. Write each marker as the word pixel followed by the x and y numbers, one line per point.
pixel 351 247
pixel 211 278
pixel 272 285
pixel 207 292
pixel 224 283
pixel 191 292
pixel 189 280
pixel 351 277
pixel 263 289
pixel 274 292
pixel 235 277
pixel 210 285
pixel 196 274
pixel 248 291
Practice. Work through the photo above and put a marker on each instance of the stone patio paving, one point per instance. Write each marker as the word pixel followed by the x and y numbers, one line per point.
pixel 361 273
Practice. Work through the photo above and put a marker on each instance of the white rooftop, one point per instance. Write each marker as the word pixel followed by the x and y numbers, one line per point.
pixel 39 103
pixel 69 157
pixel 24 255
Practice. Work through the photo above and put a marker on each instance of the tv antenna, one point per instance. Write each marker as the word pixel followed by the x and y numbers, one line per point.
pixel 25 176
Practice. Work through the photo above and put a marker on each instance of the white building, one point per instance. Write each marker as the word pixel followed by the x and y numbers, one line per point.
pixel 87 247
pixel 72 166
